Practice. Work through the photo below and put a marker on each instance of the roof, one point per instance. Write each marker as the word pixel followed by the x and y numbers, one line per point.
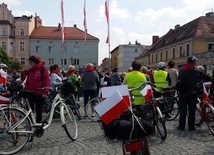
pixel 202 27
pixel 48 32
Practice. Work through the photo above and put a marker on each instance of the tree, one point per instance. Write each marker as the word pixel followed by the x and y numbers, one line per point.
pixel 5 59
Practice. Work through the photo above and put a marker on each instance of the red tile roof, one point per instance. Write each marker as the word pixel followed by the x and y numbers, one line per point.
pixel 48 32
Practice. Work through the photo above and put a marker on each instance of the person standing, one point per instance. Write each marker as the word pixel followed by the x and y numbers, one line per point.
pixel 188 76
pixel 73 79
pixel 161 78
pixel 90 79
pixel 115 78
pixel 37 77
pixel 134 79
pixel 173 73
pixel 55 76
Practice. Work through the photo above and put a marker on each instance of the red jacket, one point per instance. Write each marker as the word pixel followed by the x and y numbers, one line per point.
pixel 38 78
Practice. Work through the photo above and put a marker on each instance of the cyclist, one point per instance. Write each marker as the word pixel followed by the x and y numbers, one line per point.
pixel 188 75
pixel 161 78
pixel 37 77
pixel 134 79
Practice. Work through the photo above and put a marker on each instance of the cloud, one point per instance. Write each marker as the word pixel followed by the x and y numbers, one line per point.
pixel 23 12
pixel 13 2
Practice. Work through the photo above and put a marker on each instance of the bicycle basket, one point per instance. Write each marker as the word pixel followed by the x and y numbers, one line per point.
pixel 120 129
pixel 164 106
pixel 67 88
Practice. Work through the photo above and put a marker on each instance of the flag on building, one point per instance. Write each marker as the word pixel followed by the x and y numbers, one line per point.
pixel 63 22
pixel 147 92
pixel 111 107
pixel 107 18
pixel 84 22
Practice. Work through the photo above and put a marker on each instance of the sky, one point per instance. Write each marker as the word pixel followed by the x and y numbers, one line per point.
pixel 129 20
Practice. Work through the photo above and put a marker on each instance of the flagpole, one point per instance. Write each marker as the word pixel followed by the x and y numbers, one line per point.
pixel 63 32
pixel 85 28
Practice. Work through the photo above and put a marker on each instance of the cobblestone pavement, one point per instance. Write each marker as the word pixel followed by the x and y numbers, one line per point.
pixel 92 142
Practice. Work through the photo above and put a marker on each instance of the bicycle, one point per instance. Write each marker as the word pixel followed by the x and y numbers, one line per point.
pixel 172 99
pixel 90 112
pixel 17 124
pixel 204 112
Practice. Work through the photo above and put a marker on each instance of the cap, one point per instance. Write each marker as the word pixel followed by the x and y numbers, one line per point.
pixel 191 58
pixel 3 66
pixel 34 58
pixel 161 64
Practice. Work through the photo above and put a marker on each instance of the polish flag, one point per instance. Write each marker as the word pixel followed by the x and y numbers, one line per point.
pixel 107 18
pixel 3 77
pixel 206 95
pixel 4 100
pixel 147 92
pixel 111 107
pixel 63 29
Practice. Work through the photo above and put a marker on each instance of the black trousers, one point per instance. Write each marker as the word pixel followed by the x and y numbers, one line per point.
pixel 36 101
pixel 187 100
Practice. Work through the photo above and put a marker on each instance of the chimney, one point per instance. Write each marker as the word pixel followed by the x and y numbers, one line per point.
pixel 210 14
pixel 177 26
pixel 59 26
pixel 154 39
pixel 75 25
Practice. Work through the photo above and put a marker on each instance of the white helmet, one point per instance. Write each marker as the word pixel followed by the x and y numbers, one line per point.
pixel 161 64
pixel 3 66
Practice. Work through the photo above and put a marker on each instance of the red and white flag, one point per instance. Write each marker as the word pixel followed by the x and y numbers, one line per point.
pixel 111 107
pixel 107 18
pixel 84 21
pixel 3 77
pixel 4 100
pixel 62 24
pixel 147 92
pixel 206 95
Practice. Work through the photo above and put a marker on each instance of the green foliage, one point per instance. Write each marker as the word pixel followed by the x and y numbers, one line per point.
pixel 5 59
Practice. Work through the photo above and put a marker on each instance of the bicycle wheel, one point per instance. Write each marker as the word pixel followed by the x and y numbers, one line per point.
pixel 13 139
pixel 71 102
pixel 174 110
pixel 209 117
pixel 198 118
pixel 90 112
pixel 69 122
pixel 160 124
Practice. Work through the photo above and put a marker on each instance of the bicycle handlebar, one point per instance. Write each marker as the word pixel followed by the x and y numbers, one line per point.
pixel 142 85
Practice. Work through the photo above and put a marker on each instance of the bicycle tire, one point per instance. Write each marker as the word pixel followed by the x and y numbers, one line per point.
pixel 70 101
pixel 90 112
pixel 13 142
pixel 209 117
pixel 69 122
pixel 174 110
pixel 160 124
pixel 198 118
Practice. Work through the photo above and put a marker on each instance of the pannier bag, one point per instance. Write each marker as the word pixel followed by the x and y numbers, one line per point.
pixel 120 129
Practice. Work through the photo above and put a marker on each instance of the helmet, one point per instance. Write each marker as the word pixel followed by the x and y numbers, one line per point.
pixel 161 64
pixel 3 66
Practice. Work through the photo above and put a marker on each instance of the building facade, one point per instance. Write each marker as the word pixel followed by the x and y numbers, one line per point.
pixel 23 36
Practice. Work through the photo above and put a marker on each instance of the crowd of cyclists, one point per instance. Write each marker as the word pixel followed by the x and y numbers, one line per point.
pixel 88 83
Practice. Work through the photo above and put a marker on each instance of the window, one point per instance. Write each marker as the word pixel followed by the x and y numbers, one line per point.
pixel 161 56
pixel 4 32
pixel 63 62
pixel 50 49
pixel 211 47
pixel 38 49
pixel 173 53
pixel 76 49
pixel 76 62
pixel 181 51
pixel 22 32
pixel 11 46
pixel 21 46
pixel 156 57
pixel 22 61
pixel 187 49
pixel 3 45
pixel 3 14
pixel 64 49
pixel 152 58
pixel 166 54
pixel 51 61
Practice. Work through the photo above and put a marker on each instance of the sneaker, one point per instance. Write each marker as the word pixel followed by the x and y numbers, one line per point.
pixel 180 128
